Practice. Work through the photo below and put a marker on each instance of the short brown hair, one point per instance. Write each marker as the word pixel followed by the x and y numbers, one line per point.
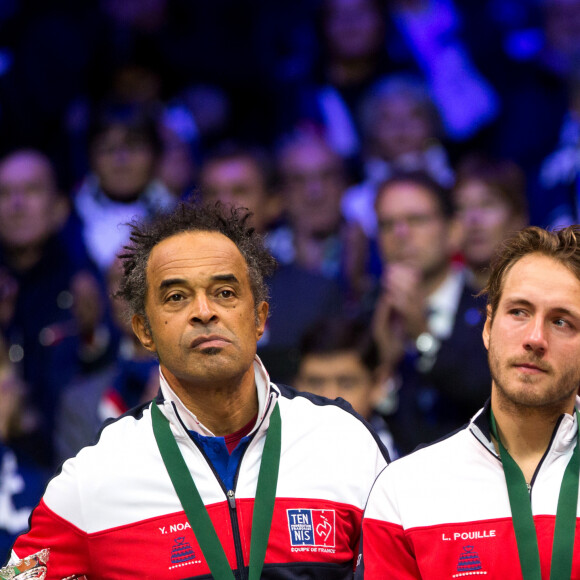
pixel 420 178
pixel 561 245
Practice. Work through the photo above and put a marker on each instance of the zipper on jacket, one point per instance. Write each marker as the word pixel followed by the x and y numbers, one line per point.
pixel 242 573
pixel 231 496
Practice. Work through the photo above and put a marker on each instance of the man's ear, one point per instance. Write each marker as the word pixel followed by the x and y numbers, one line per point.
pixel 487 327
pixel 261 316
pixel 143 333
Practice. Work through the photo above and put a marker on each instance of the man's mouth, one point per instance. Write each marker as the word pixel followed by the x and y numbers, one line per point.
pixel 477 238
pixel 530 368
pixel 209 341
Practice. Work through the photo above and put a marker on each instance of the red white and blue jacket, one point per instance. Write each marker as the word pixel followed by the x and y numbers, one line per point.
pixel 443 511
pixel 112 511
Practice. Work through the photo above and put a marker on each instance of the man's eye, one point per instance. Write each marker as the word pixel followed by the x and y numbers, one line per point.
pixel 560 322
pixel 347 383
pixel 314 382
pixel 226 293
pixel 174 298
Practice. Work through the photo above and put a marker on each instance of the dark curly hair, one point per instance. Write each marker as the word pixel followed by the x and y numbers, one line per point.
pixel 189 216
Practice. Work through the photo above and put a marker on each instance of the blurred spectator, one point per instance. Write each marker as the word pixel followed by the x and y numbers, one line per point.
pixel 38 275
pixel 401 130
pixel 32 207
pixel 99 393
pixel 177 167
pixel 239 176
pixel 427 323
pixel 125 149
pixel 316 237
pixel 338 358
pixel 236 175
pixel 136 86
pixel 21 480
pixel 353 33
pixel 490 196
pixel 352 56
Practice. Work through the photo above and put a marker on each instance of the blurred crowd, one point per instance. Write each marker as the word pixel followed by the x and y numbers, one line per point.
pixel 385 147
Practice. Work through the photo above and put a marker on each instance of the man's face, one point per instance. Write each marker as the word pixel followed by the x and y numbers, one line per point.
pixel 402 126
pixel 412 229
pixel 533 340
pixel 313 184
pixel 29 204
pixel 340 374
pixel 486 219
pixel 203 322
pixel 124 163
pixel 353 28
pixel 238 182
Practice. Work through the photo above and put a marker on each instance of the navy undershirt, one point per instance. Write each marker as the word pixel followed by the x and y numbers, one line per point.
pixel 225 453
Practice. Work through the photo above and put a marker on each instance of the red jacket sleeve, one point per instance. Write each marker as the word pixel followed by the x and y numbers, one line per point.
pixel 386 553
pixel 67 544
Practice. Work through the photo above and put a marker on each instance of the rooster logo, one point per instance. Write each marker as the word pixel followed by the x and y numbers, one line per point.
pixel 323 529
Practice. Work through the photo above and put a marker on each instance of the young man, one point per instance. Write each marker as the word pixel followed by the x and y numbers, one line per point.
pixel 281 479
pixel 500 497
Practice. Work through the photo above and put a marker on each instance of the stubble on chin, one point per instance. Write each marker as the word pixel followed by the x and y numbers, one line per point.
pixel 520 393
pixel 212 351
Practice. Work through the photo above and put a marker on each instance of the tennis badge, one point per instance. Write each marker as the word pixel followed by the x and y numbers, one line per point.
pixel 311 530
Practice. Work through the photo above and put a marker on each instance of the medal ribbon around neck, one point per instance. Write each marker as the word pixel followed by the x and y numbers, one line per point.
pixel 195 509
pixel 523 521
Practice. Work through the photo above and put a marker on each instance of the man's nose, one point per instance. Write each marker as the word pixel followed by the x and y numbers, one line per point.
pixel 535 339
pixel 202 310
pixel 16 197
pixel 401 227
pixel 472 216
pixel 314 190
